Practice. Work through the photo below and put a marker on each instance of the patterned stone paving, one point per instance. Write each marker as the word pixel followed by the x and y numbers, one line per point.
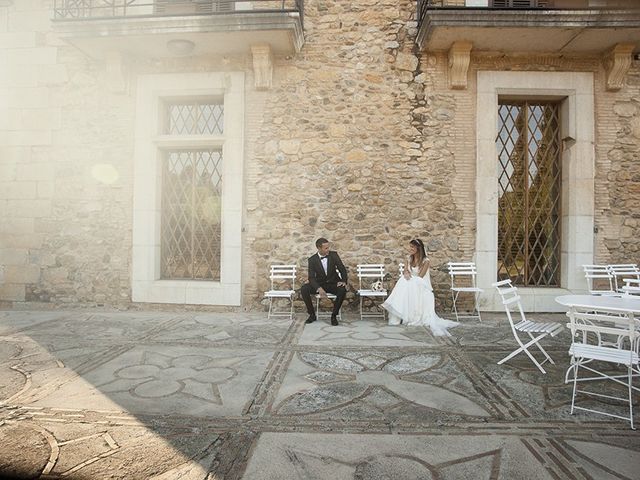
pixel 231 395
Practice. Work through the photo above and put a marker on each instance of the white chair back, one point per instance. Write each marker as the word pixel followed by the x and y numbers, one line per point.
pixel 463 280
pixel 599 279
pixel 622 272
pixel 369 273
pixel 588 352
pixel 371 285
pixel 461 271
pixel 631 286
pixel 510 299
pixel 282 274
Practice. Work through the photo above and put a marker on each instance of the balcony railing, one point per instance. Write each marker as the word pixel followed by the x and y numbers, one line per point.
pixel 426 5
pixel 103 9
pixel 560 26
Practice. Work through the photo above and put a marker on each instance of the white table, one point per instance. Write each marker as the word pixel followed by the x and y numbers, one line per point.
pixel 624 304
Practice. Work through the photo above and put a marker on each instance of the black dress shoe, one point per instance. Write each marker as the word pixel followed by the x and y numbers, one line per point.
pixel 334 320
pixel 311 319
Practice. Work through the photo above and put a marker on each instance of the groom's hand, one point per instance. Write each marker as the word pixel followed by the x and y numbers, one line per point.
pixel 342 284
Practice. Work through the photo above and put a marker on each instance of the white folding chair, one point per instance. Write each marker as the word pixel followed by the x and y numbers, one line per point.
pixel 320 314
pixel 631 286
pixel 463 280
pixel 536 330
pixel 621 272
pixel 599 280
pixel 586 329
pixel 368 276
pixel 283 278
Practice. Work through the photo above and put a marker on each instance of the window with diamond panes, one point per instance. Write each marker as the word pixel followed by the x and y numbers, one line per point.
pixel 529 179
pixel 191 215
pixel 194 118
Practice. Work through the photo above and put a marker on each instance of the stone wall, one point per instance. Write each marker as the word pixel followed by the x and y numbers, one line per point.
pixel 360 140
pixel 617 187
pixel 355 148
pixel 66 169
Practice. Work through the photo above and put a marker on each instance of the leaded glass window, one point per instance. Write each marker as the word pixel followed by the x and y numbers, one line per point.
pixel 529 177
pixel 195 118
pixel 191 194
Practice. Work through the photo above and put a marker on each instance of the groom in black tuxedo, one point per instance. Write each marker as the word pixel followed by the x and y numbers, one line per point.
pixel 326 274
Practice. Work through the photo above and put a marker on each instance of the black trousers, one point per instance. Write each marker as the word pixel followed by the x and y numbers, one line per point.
pixel 307 290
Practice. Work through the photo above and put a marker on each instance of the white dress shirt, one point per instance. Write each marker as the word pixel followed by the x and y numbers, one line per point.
pixel 324 261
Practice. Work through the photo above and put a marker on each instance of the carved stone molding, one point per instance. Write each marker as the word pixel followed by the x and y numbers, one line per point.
pixel 535 62
pixel 616 63
pixel 459 58
pixel 262 66
pixel 115 72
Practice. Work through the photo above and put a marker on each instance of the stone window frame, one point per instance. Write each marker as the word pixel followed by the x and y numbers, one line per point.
pixel 576 92
pixel 147 287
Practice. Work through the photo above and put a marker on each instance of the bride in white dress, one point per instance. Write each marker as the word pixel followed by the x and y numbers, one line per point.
pixel 411 302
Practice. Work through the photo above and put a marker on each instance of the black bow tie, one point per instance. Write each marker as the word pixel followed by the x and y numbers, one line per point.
pixel 326 256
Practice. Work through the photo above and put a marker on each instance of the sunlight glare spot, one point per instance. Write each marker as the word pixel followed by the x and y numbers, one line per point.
pixel 104 173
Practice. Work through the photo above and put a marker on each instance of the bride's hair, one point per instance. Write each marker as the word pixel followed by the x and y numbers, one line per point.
pixel 421 254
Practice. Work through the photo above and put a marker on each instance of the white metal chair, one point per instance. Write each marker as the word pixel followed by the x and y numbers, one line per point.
pixel 331 297
pixel 586 329
pixel 319 313
pixel 370 275
pixel 536 330
pixel 622 272
pixel 283 278
pixel 599 280
pixel 463 280
pixel 631 287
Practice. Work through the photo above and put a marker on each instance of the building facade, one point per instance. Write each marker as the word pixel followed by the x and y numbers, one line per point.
pixel 171 151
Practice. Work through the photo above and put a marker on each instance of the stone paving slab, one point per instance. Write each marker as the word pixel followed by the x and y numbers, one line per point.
pixel 220 329
pixel 364 333
pixel 167 380
pixel 375 384
pixel 279 456
pixel 390 456
pixel 11 322
pixel 204 395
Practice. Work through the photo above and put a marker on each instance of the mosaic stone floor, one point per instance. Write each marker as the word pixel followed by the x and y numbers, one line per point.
pixel 166 395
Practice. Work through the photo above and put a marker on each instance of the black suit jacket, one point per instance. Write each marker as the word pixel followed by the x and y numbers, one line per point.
pixel 335 270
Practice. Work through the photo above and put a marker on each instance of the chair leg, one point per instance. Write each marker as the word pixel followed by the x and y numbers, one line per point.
pixel 631 397
pixel 361 302
pixel 477 296
pixel 270 308
pixel 543 351
pixel 291 313
pixel 455 299
pixel 523 348
pixel 571 368
pixel 510 356
pixel 533 359
pixel 575 384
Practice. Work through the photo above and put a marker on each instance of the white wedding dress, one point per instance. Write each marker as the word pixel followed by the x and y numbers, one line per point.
pixel 411 303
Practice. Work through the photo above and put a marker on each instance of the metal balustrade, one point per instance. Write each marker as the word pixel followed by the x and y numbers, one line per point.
pixel 425 6
pixel 101 9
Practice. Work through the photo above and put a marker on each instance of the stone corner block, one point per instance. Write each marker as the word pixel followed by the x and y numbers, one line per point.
pixel 617 62
pixel 262 66
pixel 459 59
